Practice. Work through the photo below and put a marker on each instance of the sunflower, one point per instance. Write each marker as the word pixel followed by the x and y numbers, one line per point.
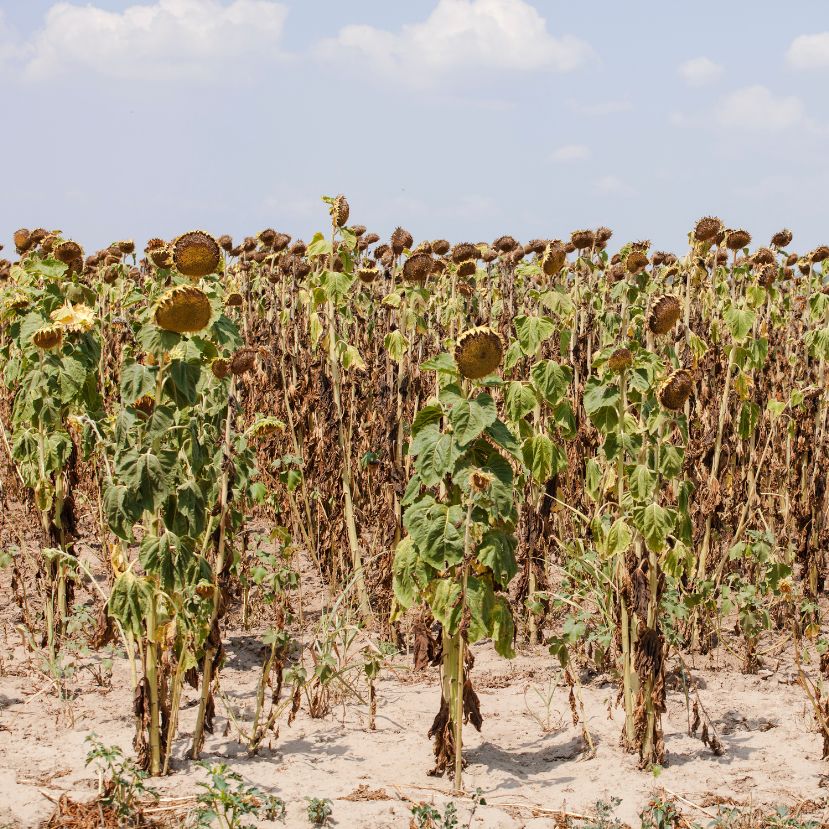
pixel 243 361
pixel 782 239
pixel 183 309
pixel 75 318
pixel 401 239
pixel 196 254
pixel 553 258
pixel 707 228
pixel 340 210
pixel 220 368
pixel 620 359
pixel 417 267
pixel 664 314
pixel 676 390
pixel 51 336
pixel 464 251
pixel 582 239
pixel 737 239
pixel 478 352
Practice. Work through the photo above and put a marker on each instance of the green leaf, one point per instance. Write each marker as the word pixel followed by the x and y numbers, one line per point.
pixel 409 574
pixel 120 509
pixel 444 363
pixel 655 523
pixel 532 331
pixel 129 602
pixel 543 458
pixel 619 538
pixel 519 400
pixel 502 628
pixel 136 381
pixel 480 598
pixel 428 415
pixel 565 419
pixel 180 384
pixel 444 599
pixel 739 321
pixel 497 551
pixel 551 380
pixel 598 395
pixel 396 344
pixel 165 557
pixel 470 417
pixel 500 433
pixel 435 454
pixel 337 284
pixel 147 474
pixel 749 418
pixel 642 482
pixel 436 530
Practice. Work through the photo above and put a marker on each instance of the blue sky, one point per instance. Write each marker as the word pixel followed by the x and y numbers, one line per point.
pixel 456 118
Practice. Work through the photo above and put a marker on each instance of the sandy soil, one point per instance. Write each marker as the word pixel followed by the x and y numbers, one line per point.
pixel 527 758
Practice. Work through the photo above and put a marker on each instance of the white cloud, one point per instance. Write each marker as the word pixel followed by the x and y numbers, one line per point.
pixel 757 108
pixel 571 152
pixel 699 71
pixel 501 34
pixel 614 186
pixel 810 51
pixel 162 40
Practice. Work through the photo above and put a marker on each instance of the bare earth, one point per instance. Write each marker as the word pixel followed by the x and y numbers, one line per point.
pixel 772 751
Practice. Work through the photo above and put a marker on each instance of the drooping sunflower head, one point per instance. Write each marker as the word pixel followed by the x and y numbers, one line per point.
pixel 225 242
pixel 417 268
pixel 767 275
pixel 243 361
pixel 196 254
pixel 184 309
pixel 478 352
pixel 664 314
pixel 440 247
pixel 75 318
pixel 159 253
pixel 583 239
pixel 367 274
pixel 620 359
pixel 553 258
pixel 401 240
pixel 603 235
pixel 820 253
pixel 48 337
pixel 636 261
pixel 707 228
pixel 234 300
pixel 504 244
pixel 737 239
pixel 782 239
pixel 340 210
pixel 126 246
pixel 676 389
pixel 68 251
pixel 467 268
pixel 220 368
pixel 21 240
pixel 464 251
pixel 764 256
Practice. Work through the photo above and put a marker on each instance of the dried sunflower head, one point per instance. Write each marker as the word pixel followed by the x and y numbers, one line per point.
pixel 467 268
pixel 234 300
pixel 767 275
pixel 358 230
pixel 21 240
pixel 464 251
pixel 225 242
pixel 371 238
pixel 367 274
pixel 401 240
pixel 243 361
pixel 196 254
pixel 504 244
pixel 184 309
pixel 620 359
pixel 603 235
pixel 676 390
pixel 48 337
pixel 417 267
pixel 220 368
pixel 440 247
pixel 68 251
pixel 636 261
pixel 553 258
pixel 707 228
pixel 582 239
pixel 340 210
pixel 737 239
pixel 782 239
pixel 764 256
pixel 281 241
pixel 478 352
pixel 819 254
pixel 126 246
pixel 145 404
pixel 664 314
